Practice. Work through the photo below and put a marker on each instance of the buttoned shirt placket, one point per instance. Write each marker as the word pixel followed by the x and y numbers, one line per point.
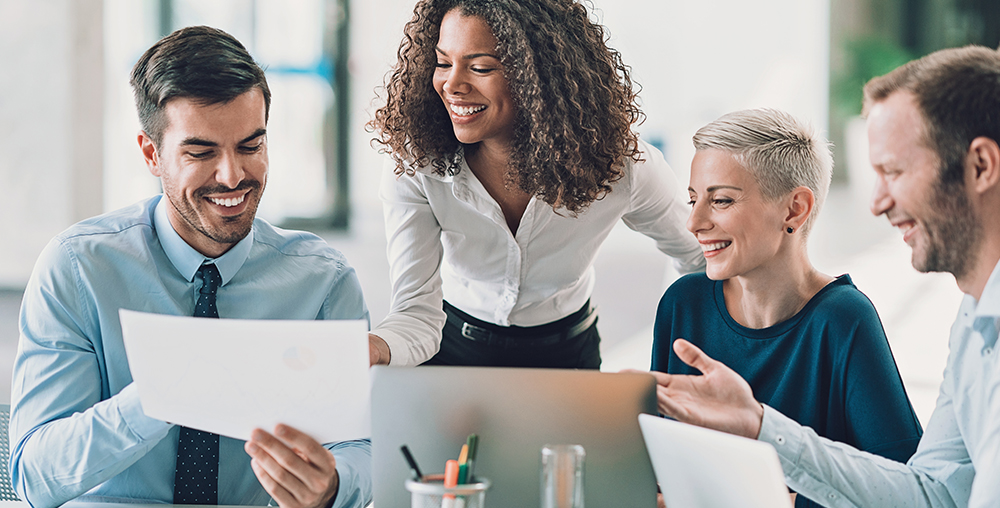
pixel 469 189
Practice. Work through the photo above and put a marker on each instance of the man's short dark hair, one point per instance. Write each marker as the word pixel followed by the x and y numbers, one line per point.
pixel 958 92
pixel 198 62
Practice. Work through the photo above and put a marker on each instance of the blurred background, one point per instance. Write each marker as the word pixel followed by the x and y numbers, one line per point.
pixel 68 130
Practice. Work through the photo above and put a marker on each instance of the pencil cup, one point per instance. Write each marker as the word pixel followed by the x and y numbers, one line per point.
pixel 430 492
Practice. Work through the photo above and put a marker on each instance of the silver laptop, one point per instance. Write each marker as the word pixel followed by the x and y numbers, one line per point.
pixel 702 468
pixel 514 412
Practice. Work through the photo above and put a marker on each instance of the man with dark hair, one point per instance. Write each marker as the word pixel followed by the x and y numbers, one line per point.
pixel 77 427
pixel 934 129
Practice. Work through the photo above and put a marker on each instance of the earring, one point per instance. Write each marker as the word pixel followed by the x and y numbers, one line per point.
pixel 790 230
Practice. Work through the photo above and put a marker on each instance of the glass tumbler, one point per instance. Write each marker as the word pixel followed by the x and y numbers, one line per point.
pixel 562 476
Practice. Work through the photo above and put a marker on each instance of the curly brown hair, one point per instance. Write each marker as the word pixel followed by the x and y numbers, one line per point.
pixel 576 102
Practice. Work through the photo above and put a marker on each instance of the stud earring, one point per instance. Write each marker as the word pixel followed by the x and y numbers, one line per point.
pixel 790 230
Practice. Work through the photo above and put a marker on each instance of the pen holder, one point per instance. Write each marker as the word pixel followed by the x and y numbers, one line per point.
pixel 430 492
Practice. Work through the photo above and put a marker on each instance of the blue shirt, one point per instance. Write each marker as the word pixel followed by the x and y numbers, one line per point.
pixel 76 424
pixel 828 367
pixel 958 460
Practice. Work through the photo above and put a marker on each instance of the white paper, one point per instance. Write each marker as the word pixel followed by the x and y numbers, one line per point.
pixel 229 376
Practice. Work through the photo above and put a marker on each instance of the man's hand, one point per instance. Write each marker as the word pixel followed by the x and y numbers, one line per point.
pixel 378 350
pixel 718 399
pixel 293 468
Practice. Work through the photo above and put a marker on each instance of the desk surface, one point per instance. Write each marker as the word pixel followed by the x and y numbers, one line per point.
pixel 90 504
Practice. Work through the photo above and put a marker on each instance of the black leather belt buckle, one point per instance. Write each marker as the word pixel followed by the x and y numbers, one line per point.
pixel 476 333
pixel 503 340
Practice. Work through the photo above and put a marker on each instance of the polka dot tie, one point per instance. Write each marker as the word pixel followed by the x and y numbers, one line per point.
pixel 196 479
pixel 206 299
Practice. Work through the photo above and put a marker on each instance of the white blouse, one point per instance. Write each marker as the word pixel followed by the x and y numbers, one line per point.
pixel 543 273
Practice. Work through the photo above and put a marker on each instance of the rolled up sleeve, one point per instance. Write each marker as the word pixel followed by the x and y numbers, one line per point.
pixel 838 475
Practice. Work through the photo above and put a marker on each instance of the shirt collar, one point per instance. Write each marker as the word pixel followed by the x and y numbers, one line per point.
pixel 186 259
pixel 989 302
pixel 986 312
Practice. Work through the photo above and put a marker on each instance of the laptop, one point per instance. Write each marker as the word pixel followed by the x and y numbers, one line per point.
pixel 514 412
pixel 702 468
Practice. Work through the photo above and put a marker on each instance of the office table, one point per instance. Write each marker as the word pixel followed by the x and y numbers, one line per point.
pixel 91 504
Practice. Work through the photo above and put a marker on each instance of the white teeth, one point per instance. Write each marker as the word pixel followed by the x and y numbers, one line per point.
pixel 228 202
pixel 709 247
pixel 466 110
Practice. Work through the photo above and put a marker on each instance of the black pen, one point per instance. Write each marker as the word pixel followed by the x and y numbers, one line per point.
pixel 414 470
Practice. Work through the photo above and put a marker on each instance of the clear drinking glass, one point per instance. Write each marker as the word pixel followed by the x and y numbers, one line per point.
pixel 562 476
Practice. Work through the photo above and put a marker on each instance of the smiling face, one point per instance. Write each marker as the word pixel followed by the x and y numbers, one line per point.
pixel 469 79
pixel 739 231
pixel 212 163
pixel 937 220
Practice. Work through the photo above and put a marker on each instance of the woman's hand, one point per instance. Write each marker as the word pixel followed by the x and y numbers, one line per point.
pixel 378 350
pixel 718 399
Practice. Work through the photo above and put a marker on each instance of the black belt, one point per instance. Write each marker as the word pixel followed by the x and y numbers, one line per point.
pixel 522 337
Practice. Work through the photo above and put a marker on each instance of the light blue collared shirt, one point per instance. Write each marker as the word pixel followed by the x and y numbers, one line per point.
pixel 76 423
pixel 957 462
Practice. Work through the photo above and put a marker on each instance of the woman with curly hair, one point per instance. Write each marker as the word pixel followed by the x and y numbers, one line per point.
pixel 509 125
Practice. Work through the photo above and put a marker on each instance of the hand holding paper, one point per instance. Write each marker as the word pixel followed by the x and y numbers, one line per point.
pixel 293 468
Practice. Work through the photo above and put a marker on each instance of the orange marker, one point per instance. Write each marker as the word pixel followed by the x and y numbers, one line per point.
pixel 450 481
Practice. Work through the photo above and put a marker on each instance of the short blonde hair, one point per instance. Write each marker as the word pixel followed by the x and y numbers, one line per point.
pixel 780 152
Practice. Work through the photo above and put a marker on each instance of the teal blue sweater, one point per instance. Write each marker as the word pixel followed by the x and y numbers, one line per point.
pixel 828 367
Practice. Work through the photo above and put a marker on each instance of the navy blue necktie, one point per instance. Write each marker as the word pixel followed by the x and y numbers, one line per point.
pixel 196 479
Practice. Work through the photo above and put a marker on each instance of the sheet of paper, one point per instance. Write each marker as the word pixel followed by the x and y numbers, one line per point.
pixel 230 376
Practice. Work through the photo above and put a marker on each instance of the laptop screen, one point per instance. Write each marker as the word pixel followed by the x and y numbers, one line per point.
pixel 514 412
pixel 702 468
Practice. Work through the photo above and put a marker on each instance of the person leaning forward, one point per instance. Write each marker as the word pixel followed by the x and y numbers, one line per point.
pixel 933 132
pixel 509 127
pixel 77 427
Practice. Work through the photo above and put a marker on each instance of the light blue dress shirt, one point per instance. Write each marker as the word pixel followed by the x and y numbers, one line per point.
pixel 77 426
pixel 957 462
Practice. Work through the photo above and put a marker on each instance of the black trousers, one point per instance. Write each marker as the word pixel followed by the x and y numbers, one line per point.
pixel 580 352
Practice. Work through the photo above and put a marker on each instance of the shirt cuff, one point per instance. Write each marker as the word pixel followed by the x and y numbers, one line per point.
pixel 789 439
pixel 135 419
pixel 400 352
pixel 783 433
pixel 354 468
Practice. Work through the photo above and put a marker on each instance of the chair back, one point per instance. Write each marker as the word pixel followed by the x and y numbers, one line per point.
pixel 6 488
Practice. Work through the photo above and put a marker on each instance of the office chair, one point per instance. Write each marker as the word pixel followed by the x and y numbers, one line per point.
pixel 6 488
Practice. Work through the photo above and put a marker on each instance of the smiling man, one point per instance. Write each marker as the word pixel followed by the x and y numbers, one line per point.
pixel 933 130
pixel 77 427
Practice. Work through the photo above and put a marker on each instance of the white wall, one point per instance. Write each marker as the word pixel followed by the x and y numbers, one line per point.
pixel 377 27
pixel 699 60
pixel 130 26
pixel 50 125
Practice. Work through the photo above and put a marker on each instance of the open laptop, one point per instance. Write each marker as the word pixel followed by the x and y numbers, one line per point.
pixel 702 468
pixel 514 412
